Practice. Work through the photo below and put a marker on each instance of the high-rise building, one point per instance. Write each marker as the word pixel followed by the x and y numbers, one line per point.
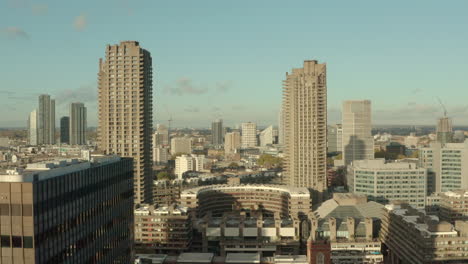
pixel 447 164
pixel 68 211
pixel 181 145
pixel 249 135
pixel 160 155
pixel 358 143
pixel 335 137
pixel 77 124
pixel 46 120
pixel 32 128
pixel 126 110
pixel 65 130
pixel 161 136
pixel 232 142
pixel 384 182
pixel 281 126
pixel 444 130
pixel 217 132
pixel 305 127
pixel 267 136
pixel 186 163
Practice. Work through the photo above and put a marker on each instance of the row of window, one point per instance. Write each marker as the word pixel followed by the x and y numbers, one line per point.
pixel 16 242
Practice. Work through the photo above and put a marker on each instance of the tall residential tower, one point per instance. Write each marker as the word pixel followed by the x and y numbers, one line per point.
pixel 126 110
pixel 217 132
pixel 305 127
pixel 46 120
pixel 77 124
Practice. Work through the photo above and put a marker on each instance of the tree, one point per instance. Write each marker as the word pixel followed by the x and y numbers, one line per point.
pixel 163 175
pixel 270 161
pixel 233 165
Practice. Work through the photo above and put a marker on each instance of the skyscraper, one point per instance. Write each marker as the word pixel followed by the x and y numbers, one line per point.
pixel 125 110
pixel 305 127
pixel 46 120
pixel 444 130
pixel 281 126
pixel 77 124
pixel 249 135
pixel 161 136
pixel 65 130
pixel 267 136
pixel 358 143
pixel 32 128
pixel 335 137
pixel 217 132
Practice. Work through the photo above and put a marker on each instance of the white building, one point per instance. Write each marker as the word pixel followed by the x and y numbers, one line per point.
pixel 181 145
pixel 267 136
pixel 160 155
pixel 32 128
pixel 358 143
pixel 384 182
pixel 186 163
pixel 335 138
pixel 249 135
pixel 447 164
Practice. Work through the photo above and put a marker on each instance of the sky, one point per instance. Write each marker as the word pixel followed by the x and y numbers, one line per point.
pixel 227 59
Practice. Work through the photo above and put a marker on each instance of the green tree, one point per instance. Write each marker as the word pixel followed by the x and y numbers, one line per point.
pixel 233 165
pixel 270 161
pixel 163 175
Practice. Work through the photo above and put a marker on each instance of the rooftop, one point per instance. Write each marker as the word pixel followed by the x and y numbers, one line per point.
pixel 345 205
pixel 195 258
pixel 244 258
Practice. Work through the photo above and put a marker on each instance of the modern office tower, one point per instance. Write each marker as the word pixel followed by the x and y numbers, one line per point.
pixel 232 142
pixel 217 132
pixel 161 136
pixel 281 126
pixel 32 128
pixel 448 163
pixel 267 136
pixel 160 155
pixel 349 224
pixel 181 145
pixel 249 135
pixel 383 182
pixel 126 110
pixel 65 130
pixel 46 121
pixel 358 143
pixel 453 206
pixel 305 124
pixel 77 124
pixel 68 211
pixel 177 238
pixel 186 163
pixel 412 236
pixel 444 130
pixel 335 137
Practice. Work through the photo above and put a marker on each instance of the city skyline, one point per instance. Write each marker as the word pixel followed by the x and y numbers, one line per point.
pixel 362 47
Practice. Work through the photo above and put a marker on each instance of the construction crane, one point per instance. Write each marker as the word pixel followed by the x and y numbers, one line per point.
pixel 443 106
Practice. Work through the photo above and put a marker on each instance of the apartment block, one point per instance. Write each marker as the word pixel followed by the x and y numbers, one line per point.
pixel 186 163
pixel 217 133
pixel 385 181
pixel 68 211
pixel 65 130
pixel 181 145
pixel 126 110
pixel 335 138
pixel 305 127
pixel 453 205
pixel 249 135
pixel 78 124
pixel 46 120
pixel 267 136
pixel 232 142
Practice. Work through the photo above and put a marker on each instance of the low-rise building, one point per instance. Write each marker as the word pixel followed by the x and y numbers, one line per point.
pixel 186 163
pixel 453 206
pixel 412 236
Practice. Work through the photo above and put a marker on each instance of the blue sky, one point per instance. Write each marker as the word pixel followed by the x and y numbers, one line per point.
pixel 227 59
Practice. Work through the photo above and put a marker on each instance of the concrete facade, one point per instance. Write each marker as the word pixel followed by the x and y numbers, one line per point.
pixel 249 135
pixel 78 124
pixel 232 142
pixel 46 120
pixel 126 110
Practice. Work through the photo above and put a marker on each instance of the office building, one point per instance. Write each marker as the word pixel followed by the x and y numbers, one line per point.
pixel 161 136
pixel 444 130
pixel 411 236
pixel 32 128
pixel 453 205
pixel 386 181
pixel 447 164
pixel 78 124
pixel 186 163
pixel 335 137
pixel 217 132
pixel 160 155
pixel 181 145
pixel 345 230
pixel 232 142
pixel 126 110
pixel 162 229
pixel 46 120
pixel 65 130
pixel 305 127
pixel 267 136
pixel 249 135
pixel 68 211
pixel 358 143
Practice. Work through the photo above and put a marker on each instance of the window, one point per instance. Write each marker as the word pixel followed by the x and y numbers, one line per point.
pixel 28 242
pixel 16 241
pixel 5 241
pixel 4 209
pixel 27 210
pixel 16 210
